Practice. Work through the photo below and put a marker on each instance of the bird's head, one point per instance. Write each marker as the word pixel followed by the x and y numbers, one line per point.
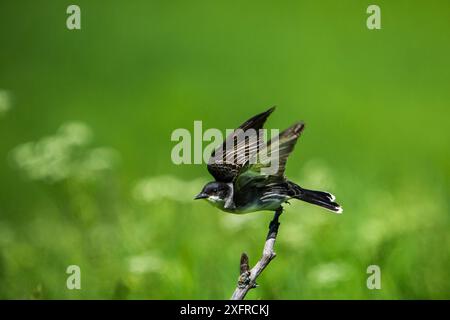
pixel 215 192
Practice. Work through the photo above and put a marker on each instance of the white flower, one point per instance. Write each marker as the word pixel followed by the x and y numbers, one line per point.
pixel 169 187
pixel 148 262
pixel 329 273
pixel 64 155
pixel 5 101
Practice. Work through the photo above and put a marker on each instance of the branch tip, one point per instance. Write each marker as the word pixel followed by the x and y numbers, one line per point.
pixel 247 277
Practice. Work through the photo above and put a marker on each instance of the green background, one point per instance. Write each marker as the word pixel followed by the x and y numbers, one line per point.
pixel 96 186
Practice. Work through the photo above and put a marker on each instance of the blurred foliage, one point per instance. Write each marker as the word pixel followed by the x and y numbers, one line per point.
pixel 85 123
pixel 5 101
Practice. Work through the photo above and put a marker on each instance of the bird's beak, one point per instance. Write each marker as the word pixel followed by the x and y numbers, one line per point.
pixel 201 195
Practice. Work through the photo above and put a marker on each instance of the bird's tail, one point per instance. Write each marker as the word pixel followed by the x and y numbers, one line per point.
pixel 319 198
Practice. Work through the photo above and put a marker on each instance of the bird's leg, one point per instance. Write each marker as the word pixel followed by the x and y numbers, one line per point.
pixel 274 224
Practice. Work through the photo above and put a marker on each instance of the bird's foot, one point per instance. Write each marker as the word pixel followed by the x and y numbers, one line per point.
pixel 244 280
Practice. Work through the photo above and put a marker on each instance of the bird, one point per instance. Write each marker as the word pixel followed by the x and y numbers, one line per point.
pixel 245 179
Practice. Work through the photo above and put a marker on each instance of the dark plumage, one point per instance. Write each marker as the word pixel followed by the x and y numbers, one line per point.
pixel 250 174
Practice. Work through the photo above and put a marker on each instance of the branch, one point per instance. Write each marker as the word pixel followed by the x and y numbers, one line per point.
pixel 247 279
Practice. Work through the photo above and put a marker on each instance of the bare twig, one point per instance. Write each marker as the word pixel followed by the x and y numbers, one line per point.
pixel 247 278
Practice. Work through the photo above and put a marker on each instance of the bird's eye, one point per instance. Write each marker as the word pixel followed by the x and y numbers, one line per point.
pixel 215 190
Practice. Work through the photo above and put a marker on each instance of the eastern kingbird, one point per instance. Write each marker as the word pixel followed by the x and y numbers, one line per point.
pixel 241 168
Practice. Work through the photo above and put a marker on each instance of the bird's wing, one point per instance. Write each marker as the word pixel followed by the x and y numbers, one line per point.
pixel 270 160
pixel 228 159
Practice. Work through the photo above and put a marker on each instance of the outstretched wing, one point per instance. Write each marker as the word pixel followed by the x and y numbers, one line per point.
pixel 272 158
pixel 270 161
pixel 228 160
